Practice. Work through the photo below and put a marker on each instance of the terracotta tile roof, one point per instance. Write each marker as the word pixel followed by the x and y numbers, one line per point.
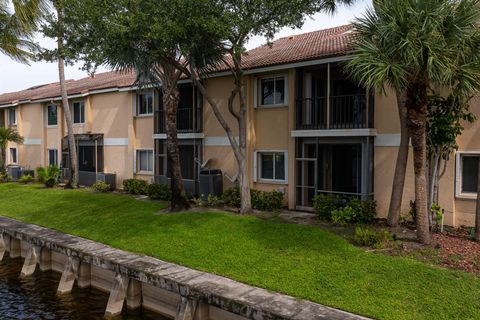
pixel 303 47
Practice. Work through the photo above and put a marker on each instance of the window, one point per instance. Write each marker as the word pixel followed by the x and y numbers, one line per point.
pixel 272 166
pixel 52 119
pixel 145 161
pixel 78 113
pixel 13 156
pixel 144 103
pixel 467 173
pixel 272 91
pixel 12 116
pixel 52 157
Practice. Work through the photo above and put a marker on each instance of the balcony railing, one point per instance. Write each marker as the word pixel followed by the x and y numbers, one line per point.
pixel 337 112
pixel 187 121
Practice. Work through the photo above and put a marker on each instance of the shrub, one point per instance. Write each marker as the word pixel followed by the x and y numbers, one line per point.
pixel 135 186
pixel 364 211
pixel 343 216
pixel 340 211
pixel 231 197
pixel 25 179
pixel 365 236
pixel 29 172
pixel 101 186
pixel 48 176
pixel 261 200
pixel 267 200
pixel 325 205
pixel 5 177
pixel 212 200
pixel 159 192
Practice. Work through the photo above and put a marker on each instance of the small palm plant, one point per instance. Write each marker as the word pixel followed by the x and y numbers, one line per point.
pixel 7 135
pixel 48 176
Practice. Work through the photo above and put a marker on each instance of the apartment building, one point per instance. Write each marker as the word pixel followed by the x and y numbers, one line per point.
pixel 311 129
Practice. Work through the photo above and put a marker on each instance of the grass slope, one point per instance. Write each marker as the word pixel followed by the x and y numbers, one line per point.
pixel 302 261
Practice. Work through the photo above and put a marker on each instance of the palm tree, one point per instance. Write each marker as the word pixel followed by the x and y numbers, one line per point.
pixel 72 148
pixel 412 45
pixel 18 21
pixel 7 135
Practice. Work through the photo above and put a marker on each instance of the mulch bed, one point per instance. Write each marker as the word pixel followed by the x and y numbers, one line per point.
pixel 457 252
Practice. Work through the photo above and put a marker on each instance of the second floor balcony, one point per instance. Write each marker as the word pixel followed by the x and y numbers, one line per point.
pixel 326 99
pixel 189 120
pixel 189 112
pixel 353 111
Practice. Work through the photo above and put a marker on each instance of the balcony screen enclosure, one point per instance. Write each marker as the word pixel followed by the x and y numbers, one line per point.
pixel 337 166
pixel 327 99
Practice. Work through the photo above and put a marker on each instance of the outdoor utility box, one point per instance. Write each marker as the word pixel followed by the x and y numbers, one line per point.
pixel 15 172
pixel 211 182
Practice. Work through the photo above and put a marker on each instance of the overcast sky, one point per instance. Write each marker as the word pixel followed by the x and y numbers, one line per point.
pixel 15 76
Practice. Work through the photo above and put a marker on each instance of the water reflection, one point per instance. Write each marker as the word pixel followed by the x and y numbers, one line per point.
pixel 35 298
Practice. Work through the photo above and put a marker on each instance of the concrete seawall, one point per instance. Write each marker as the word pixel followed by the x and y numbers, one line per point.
pixel 137 281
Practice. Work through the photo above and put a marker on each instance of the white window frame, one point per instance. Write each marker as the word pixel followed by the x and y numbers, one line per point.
pixel 46 116
pixel 56 156
pixel 10 155
pixel 137 105
pixel 136 164
pixel 258 89
pixel 458 175
pixel 257 167
pixel 14 109
pixel 72 110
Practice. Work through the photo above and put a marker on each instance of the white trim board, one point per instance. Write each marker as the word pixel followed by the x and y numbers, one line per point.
pixel 32 142
pixel 387 140
pixel 163 136
pixel 334 133
pixel 115 142
pixel 218 141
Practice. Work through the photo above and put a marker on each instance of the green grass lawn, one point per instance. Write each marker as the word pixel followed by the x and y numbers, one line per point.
pixel 302 261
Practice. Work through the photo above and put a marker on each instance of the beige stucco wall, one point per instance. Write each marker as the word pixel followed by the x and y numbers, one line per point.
pixel 216 147
pixel 109 113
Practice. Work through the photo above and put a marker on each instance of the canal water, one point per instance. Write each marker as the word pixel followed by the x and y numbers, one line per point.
pixel 35 298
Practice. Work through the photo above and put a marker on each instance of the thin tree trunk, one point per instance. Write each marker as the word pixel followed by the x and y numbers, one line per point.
pixel 66 110
pixel 416 120
pixel 401 165
pixel 3 159
pixel 246 204
pixel 477 211
pixel 171 97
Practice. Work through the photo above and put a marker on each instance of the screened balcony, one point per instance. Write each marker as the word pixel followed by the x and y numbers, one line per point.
pixel 189 112
pixel 327 99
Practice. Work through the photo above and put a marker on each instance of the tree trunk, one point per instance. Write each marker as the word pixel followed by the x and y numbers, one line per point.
pixel 246 201
pixel 66 111
pixel 477 211
pixel 171 96
pixel 3 159
pixel 416 120
pixel 401 165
